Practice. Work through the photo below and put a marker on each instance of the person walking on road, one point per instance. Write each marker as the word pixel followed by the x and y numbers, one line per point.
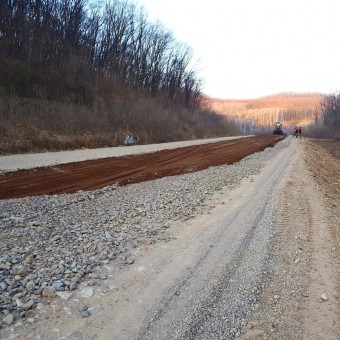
pixel 300 132
pixel 296 131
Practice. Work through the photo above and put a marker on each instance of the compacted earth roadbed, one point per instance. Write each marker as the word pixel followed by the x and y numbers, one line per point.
pixel 99 173
pixel 248 250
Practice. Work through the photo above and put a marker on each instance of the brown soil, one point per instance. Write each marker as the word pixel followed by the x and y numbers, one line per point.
pixel 96 174
pixel 324 162
pixel 322 319
pixel 331 145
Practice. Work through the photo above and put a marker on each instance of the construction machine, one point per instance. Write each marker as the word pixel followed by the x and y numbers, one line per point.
pixel 278 128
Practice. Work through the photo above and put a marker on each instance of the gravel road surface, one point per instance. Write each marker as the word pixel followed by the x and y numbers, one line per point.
pixel 237 251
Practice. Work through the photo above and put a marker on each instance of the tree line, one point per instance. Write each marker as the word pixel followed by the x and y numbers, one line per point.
pixel 326 116
pixel 73 50
pixel 330 113
pixel 77 74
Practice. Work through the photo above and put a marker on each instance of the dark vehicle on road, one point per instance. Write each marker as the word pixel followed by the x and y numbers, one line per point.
pixel 278 128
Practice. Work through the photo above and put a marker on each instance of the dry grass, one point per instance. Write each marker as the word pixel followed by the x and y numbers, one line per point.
pixel 32 125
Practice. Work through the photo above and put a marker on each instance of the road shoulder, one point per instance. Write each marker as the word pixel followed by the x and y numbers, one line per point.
pixel 301 298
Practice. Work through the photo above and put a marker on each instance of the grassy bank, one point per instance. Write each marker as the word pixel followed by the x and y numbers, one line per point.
pixel 33 125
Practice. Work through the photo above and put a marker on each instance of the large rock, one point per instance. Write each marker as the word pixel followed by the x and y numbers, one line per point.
pixel 48 292
pixel 86 292
pixel 8 320
pixel 28 305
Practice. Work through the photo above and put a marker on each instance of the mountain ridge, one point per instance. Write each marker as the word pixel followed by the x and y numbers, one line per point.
pixel 291 108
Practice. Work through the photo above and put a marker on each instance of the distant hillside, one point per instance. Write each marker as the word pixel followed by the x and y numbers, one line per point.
pixel 289 108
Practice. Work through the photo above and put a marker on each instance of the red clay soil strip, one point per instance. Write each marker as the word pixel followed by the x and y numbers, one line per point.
pixel 94 174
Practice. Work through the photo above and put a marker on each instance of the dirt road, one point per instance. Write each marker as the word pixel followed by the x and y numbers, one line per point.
pixel 261 263
pixel 95 174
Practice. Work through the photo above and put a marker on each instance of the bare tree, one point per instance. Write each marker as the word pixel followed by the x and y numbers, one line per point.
pixel 330 110
pixel 60 46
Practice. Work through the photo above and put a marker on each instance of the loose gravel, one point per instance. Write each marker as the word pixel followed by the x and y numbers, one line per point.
pixel 49 244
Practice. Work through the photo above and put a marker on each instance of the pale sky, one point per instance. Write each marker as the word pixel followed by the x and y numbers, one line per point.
pixel 253 48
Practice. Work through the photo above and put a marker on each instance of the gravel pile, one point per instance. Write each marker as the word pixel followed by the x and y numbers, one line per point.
pixel 49 244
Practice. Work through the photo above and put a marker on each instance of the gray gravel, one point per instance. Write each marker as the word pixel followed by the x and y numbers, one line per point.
pixel 219 295
pixel 50 244
pixel 35 160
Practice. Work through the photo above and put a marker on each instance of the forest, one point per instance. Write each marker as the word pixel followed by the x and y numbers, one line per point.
pixel 77 74
pixel 318 113
pixel 327 120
